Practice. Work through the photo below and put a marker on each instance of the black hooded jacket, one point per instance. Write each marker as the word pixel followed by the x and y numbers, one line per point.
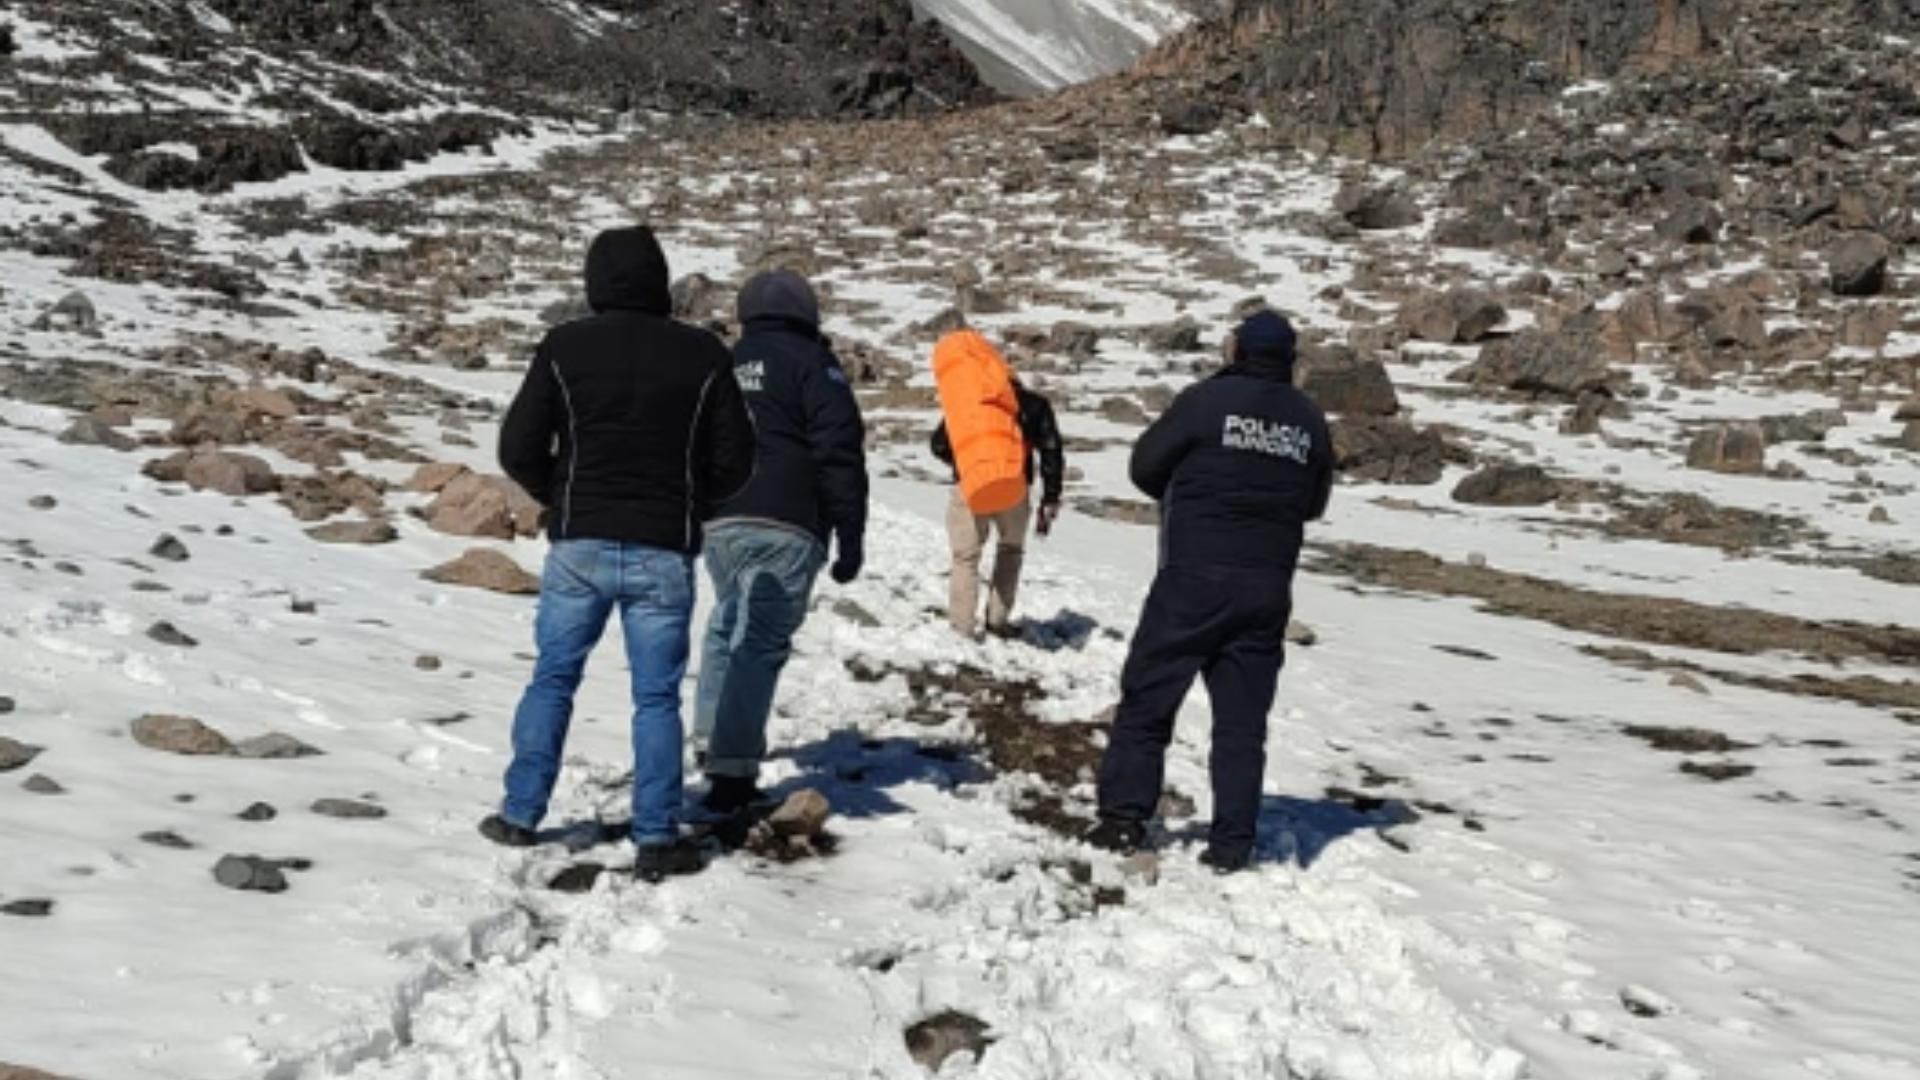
pixel 629 426
pixel 812 471
pixel 1239 464
pixel 1042 434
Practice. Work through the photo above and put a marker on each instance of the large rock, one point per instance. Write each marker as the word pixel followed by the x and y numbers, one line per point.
pixel 484 568
pixel 354 532
pixel 90 431
pixel 1910 436
pixel 1857 266
pixel 1508 485
pixel 1694 221
pixel 433 477
pixel 1565 364
pixel 74 313
pixel 1339 381
pixel 1729 448
pixel 223 471
pixel 180 735
pixel 275 746
pixel 202 424
pixel 492 507
pixel 1392 451
pixel 1376 208
pixel 1459 316
pixel 1807 427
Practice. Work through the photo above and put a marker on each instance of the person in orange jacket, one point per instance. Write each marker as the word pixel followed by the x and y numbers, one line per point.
pixel 967 532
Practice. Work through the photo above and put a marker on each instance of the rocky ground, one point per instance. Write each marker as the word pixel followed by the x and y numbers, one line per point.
pixel 1624 379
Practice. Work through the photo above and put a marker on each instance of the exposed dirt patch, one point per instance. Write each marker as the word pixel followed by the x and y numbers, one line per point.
pixel 1061 755
pixel 1867 690
pixel 1684 740
pixel 1650 619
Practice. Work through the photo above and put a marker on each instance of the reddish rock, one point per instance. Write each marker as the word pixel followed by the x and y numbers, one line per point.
pixel 484 568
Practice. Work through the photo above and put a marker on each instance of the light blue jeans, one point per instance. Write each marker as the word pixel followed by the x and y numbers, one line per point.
pixel 762 580
pixel 583 582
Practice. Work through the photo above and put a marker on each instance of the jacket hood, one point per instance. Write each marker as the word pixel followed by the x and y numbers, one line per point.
pixel 1265 344
pixel 627 271
pixel 780 295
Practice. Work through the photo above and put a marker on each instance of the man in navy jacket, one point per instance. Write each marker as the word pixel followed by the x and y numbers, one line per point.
pixel 767 544
pixel 1239 464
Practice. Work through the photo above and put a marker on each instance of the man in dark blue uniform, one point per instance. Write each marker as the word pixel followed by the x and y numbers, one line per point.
pixel 1239 464
pixel 767 544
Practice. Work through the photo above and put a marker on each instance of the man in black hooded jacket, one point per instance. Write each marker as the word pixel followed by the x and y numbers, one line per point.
pixel 769 542
pixel 1239 464
pixel 630 430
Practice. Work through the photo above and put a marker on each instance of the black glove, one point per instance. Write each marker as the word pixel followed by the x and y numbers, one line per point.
pixel 847 566
pixel 1048 512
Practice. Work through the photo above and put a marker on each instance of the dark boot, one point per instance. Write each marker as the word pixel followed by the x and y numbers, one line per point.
pixel 1117 836
pixel 1226 862
pixel 506 833
pixel 731 794
pixel 676 858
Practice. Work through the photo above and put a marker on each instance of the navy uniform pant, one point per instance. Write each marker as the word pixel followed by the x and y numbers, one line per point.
pixel 1229 628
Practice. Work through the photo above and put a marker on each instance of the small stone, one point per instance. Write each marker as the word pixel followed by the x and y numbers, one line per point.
pixel 804 814
pixel 349 809
pixel 1142 867
pixel 167 838
pixel 578 878
pixel 42 502
pixel 303 607
pixel 1476 560
pixel 250 873
pixel 1299 633
pixel 427 662
pixel 1686 681
pixel 1910 436
pixel 167 634
pixel 259 812
pixel 933 1040
pixel 27 909
pixel 6 705
pixel 170 548
pixel 14 754
pixel 275 746
pixel 1643 1002
pixel 180 735
pixel 42 784
pixel 1879 516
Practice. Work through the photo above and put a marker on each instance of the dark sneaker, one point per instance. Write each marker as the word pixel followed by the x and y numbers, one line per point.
pixel 656 862
pixel 1119 837
pixel 506 833
pixel 731 794
pixel 1225 862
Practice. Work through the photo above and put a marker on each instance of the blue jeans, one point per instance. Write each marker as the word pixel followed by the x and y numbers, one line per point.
pixel 584 580
pixel 762 579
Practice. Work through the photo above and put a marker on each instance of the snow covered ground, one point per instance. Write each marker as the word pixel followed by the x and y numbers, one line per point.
pixel 1471 867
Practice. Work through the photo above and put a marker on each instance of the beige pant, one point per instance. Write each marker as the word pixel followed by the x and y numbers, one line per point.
pixel 967 533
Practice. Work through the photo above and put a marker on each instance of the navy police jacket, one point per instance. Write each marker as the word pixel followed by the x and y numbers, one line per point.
pixel 1239 464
